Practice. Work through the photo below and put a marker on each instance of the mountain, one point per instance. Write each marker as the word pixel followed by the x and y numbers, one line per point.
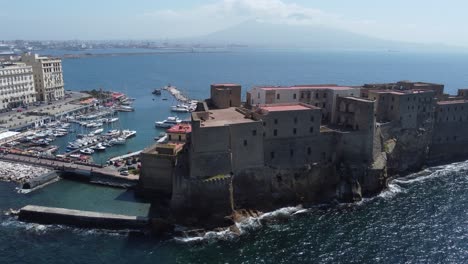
pixel 258 34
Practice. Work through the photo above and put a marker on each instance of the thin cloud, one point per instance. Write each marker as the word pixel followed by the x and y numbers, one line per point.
pixel 218 15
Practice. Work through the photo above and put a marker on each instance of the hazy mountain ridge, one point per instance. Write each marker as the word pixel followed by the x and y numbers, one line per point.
pixel 258 34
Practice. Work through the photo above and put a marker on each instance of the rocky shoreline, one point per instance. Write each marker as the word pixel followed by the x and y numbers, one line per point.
pixel 20 173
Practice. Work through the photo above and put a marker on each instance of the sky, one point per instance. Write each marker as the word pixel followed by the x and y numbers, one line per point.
pixel 429 21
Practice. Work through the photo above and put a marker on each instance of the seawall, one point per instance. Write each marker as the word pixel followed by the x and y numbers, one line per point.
pixel 52 215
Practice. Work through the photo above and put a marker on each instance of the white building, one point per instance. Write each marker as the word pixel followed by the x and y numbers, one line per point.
pixel 16 85
pixel 48 76
pixel 323 96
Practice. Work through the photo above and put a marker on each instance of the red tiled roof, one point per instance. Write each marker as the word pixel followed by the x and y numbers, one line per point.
pixel 181 128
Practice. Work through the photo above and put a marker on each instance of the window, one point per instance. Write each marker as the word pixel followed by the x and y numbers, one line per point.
pixel 302 95
pixel 291 152
pixel 316 95
pixel 254 133
pixel 324 95
pixel 277 96
pixel 324 105
pixel 312 119
pixel 180 137
pixel 391 107
pixel 294 131
pixel 309 151
pixel 170 137
pixel 275 132
pixel 295 120
pixel 264 123
pixel 294 96
pixel 311 129
pixel 276 121
pixel 245 142
pixel 272 155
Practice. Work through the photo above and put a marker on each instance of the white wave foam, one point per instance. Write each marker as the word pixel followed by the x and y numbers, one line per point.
pixel 392 190
pixel 247 225
pixel 434 172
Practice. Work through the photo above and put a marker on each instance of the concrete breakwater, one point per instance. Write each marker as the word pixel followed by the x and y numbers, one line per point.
pixel 87 219
pixel 177 94
pixel 18 172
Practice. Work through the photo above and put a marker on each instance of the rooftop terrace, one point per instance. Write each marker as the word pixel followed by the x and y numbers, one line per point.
pixel 223 117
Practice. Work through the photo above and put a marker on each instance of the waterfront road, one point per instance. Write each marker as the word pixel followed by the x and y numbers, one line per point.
pixel 63 165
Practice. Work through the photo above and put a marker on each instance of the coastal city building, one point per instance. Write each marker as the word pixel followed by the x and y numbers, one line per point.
pixel 16 85
pixel 323 96
pixel 48 76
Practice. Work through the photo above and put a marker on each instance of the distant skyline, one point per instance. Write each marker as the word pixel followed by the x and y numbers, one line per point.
pixel 416 21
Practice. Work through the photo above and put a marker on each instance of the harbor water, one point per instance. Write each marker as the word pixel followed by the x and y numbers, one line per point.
pixel 422 218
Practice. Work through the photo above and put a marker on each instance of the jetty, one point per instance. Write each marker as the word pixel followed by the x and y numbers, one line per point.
pixel 87 219
pixel 177 94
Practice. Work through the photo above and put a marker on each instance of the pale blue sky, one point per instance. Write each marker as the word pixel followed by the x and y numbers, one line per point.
pixel 411 20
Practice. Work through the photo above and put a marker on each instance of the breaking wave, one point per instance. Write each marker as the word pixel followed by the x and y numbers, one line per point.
pixel 245 226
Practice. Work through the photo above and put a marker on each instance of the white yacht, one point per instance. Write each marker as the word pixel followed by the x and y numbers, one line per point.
pixel 128 133
pixel 180 109
pixel 87 151
pixel 169 122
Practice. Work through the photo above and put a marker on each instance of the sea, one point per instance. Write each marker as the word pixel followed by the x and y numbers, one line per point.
pixel 421 218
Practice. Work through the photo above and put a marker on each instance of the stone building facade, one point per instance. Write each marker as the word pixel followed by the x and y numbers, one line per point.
pixel 322 96
pixel 269 153
pixel 225 95
pixel 16 85
pixel 48 76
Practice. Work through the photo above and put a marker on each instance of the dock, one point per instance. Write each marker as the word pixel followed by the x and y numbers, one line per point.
pixel 87 219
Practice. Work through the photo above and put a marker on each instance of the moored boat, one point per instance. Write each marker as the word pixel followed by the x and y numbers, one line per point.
pixel 169 122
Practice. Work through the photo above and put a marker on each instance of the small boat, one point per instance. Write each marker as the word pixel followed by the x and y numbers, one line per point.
pixel 180 109
pixel 99 147
pixel 73 146
pixel 87 151
pixel 113 132
pixel 169 122
pixel 157 92
pixel 125 108
pixel 106 144
pixel 164 99
pixel 97 131
pixel 128 133
pixel 112 120
pixel 117 141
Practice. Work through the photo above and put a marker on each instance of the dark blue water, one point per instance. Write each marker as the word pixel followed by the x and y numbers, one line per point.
pixel 420 220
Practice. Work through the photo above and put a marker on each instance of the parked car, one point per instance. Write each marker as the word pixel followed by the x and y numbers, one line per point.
pixel 124 173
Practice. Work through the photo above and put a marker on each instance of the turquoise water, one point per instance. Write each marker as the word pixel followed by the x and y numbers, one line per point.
pixel 419 220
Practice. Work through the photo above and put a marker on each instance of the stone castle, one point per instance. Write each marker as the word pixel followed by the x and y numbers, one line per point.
pixel 301 144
